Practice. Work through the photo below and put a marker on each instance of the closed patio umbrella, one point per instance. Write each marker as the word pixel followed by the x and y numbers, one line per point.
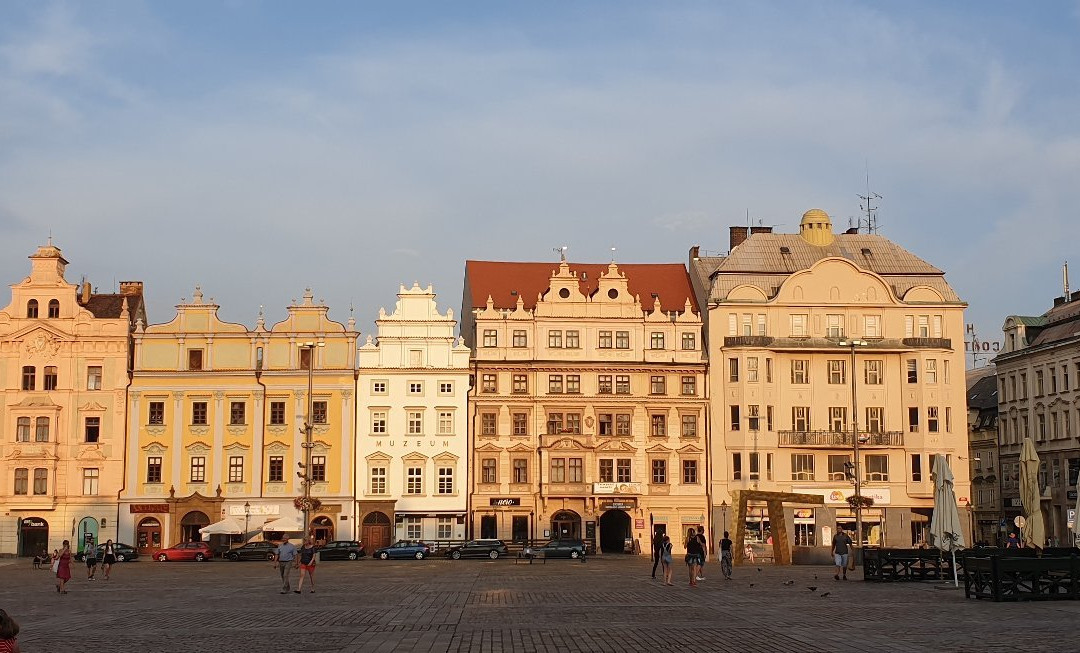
pixel 946 532
pixel 1034 530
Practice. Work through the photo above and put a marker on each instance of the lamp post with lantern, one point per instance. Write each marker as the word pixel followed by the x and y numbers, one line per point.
pixel 853 343
pixel 308 430
pixel 247 517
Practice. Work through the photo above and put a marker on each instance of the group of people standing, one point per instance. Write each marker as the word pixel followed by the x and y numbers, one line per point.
pixel 697 552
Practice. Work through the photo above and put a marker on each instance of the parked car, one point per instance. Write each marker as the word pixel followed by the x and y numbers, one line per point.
pixel 403 549
pixel 252 551
pixel 478 549
pixel 197 551
pixel 341 550
pixel 123 553
pixel 562 549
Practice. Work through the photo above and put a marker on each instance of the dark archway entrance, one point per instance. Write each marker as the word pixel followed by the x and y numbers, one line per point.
pixel 614 531
pixel 322 529
pixel 375 531
pixel 566 525
pixel 190 525
pixel 33 536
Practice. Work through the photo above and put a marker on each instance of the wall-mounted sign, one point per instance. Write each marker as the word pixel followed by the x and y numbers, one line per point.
pixel 616 488
pixel 639 524
pixel 505 501
pixel 34 522
pixel 254 511
pixel 1071 495
pixel 628 503
pixel 137 508
pixel 838 496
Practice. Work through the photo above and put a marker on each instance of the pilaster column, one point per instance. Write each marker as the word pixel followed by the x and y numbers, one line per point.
pixel 134 463
pixel 219 439
pixel 178 438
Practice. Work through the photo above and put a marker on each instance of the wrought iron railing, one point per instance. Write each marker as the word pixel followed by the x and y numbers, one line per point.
pixel 840 439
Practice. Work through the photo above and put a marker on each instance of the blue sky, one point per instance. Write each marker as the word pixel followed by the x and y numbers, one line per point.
pixel 257 148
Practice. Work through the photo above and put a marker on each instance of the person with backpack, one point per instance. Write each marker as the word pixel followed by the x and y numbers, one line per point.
pixel 704 541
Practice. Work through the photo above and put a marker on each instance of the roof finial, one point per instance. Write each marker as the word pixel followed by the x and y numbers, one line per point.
pixel 561 251
pixel 612 254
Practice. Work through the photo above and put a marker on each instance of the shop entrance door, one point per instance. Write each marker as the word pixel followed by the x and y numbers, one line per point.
pixel 615 531
pixel 375 531
pixel 520 528
pixel 322 529
pixel 33 536
pixel 566 525
pixel 148 536
pixel 88 533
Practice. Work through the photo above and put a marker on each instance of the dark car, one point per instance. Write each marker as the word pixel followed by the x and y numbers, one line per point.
pixel 252 551
pixel 341 550
pixel 123 553
pixel 403 549
pixel 478 549
pixel 562 549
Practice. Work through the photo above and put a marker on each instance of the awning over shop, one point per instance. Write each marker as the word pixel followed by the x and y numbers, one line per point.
pixel 227 526
pixel 283 525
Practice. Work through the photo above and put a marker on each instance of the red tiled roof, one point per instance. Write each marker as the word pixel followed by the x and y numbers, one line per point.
pixel 496 278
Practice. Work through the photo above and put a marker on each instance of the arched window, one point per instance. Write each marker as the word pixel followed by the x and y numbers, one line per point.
pixel 31 308
pixel 54 308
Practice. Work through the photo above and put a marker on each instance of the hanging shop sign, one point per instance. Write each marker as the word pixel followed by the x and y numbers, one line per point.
pixel 505 501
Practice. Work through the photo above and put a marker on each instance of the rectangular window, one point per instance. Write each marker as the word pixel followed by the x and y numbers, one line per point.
pixel 736 466
pixel 834 326
pixel 29 377
pixel 521 470
pixel 491 338
pixel 445 528
pixel 798 326
pixel 761 324
pixel 194 358
pixel 157 412
pixel 555 423
pixel 415 422
pixel 520 384
pixel 92 429
pixel 41 429
pixel 558 470
pixel 622 470
pixel 659 425
pixel 236 469
pixel 689 386
pixel 912 370
pixel 1039 383
pixel 378 421
pixel 318 469
pixel 768 418
pixel 153 469
pixel 276 470
pixel 768 370
pixel 237 413
pixel 488 471
pixel 622 340
pixel 932 419
pixel 41 481
pixel 305 358
pixel 755 468
pixel 752 369
pixel 416 358
pixel 446 480
pixel 622 384
pixel 872 372
pixel 747 323
pixel 689 472
pixel 733 370
pixel 802 466
pixel 622 424
pixel 656 340
pixel 22 429
pixel 519 339
pixel 689 341
pixel 659 471
pixel 22 481
pixel 198 469
pixel 607 470
pixel 573 340
pixel 198 413
pixel 416 387
pixel 800 372
pixel 875 419
pixel 49 377
pixel 604 340
pixel 800 418
pixel 577 470
pixel 318 412
pixel 873 326
pixel 838 418
pixel 931 370
pixel 573 383
pixel 735 418
pixel 90 481
pixel 414 480
pixel 521 423
pixel 877 467
pixel 446 422
pixel 555 339
pixel 378 387
pixel 603 384
pixel 913 419
pixel 837 372
pixel 658 385
pixel 489 383
pixel 937 326
pixel 605 424
pixel 838 466
pixel 689 426
pixel 573 423
pixel 446 387
pixel 378 480
pixel 414 528
pixel 916 468
pixel 93 377
pixel 924 326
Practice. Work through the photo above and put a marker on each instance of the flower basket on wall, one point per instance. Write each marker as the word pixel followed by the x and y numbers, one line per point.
pixel 310 504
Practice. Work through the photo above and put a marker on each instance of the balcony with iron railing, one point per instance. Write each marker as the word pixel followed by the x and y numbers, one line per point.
pixel 840 439
pixel 830 343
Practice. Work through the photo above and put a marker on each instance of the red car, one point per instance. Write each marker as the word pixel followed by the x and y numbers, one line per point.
pixel 197 551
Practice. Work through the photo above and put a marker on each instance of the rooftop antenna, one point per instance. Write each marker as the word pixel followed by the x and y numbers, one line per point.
pixel 1066 283
pixel 1065 279
pixel 561 251
pixel 868 205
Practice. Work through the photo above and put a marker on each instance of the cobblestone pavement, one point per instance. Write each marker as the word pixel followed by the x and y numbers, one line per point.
pixel 608 604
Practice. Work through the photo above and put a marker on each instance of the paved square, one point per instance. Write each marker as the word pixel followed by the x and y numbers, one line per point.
pixel 608 604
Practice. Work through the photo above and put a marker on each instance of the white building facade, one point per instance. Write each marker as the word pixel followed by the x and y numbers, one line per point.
pixel 412 425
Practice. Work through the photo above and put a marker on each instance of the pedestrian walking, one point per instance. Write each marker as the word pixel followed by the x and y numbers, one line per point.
pixel 693 555
pixel 657 544
pixel 726 556
pixel 308 558
pixel 108 558
pixel 90 552
pixel 841 548
pixel 62 563
pixel 9 631
pixel 665 558
pixel 704 551
pixel 285 559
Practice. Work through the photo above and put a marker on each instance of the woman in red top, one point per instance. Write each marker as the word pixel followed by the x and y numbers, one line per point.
pixel 63 569
pixel 8 630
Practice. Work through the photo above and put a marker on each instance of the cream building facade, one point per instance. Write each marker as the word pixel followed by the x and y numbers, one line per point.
pixel 588 407
pixel 412 425
pixel 64 356
pixel 216 427
pixel 782 312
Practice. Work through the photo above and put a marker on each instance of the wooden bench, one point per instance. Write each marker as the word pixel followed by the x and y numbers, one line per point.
pixel 887 565
pixel 1022 578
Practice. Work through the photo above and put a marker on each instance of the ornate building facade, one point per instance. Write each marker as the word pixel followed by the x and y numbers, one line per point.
pixel 813 336
pixel 64 357
pixel 588 407
pixel 412 418
pixel 217 426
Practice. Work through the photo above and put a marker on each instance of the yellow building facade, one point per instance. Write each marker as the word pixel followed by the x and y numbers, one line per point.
pixel 216 428
pixel 64 354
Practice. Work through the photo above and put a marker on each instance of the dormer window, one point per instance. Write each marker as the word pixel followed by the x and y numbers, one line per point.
pixel 32 308
pixel 54 308
pixel 195 359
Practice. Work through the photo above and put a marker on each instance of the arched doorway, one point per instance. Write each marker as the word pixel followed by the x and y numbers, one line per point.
pixel 33 536
pixel 375 531
pixel 190 525
pixel 322 529
pixel 566 525
pixel 614 530
pixel 148 535
pixel 88 533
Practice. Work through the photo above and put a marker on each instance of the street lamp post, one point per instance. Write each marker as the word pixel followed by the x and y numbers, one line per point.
pixel 853 343
pixel 247 516
pixel 309 427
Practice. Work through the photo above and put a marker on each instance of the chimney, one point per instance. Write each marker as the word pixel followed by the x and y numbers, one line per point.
pixel 738 235
pixel 1076 295
pixel 694 251
pixel 85 295
pixel 852 231
pixel 131 288
pixel 760 230
pixel 1058 301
